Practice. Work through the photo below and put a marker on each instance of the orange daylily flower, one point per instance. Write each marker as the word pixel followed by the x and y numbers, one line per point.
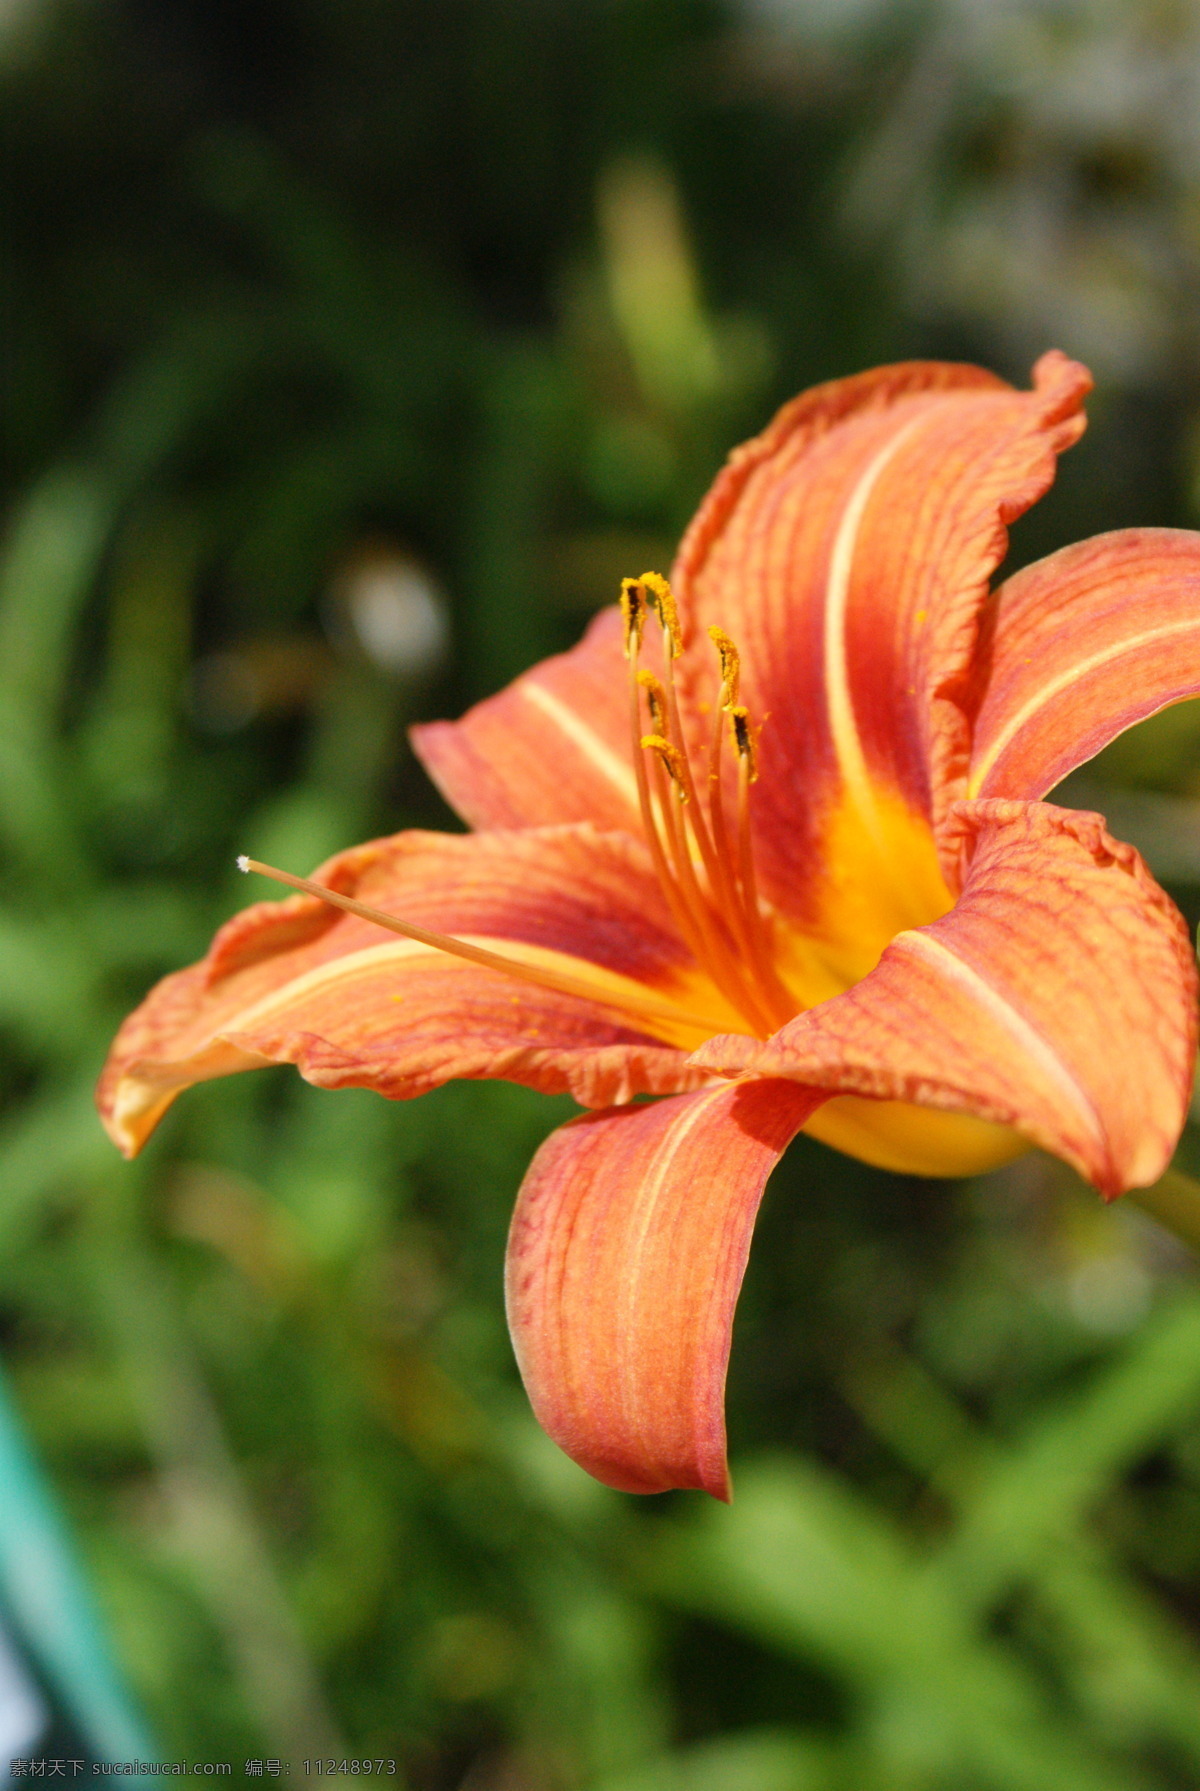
pixel 770 842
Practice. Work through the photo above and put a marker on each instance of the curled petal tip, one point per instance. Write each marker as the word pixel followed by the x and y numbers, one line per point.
pixel 1056 375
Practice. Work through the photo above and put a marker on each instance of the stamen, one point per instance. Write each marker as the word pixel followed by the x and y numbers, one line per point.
pixel 716 798
pixel 671 759
pixel 726 944
pixel 742 897
pixel 731 666
pixel 629 1003
pixel 717 862
pixel 730 672
pixel 715 907
pixel 664 604
pixel 662 599
pixel 760 939
pixel 676 901
pixel 745 847
pixel 708 940
pixel 633 613
pixel 744 740
pixel 656 697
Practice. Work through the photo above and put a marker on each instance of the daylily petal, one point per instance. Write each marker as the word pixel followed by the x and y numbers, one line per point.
pixel 1083 644
pixel 1016 1006
pixel 625 1258
pixel 848 551
pixel 299 982
pixel 553 746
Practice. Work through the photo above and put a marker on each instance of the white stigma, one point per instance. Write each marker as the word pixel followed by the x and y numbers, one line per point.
pixel 243 862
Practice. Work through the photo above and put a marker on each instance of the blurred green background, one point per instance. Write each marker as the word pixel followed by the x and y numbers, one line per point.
pixel 354 349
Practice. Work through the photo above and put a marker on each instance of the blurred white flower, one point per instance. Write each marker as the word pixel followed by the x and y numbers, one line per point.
pixel 395 610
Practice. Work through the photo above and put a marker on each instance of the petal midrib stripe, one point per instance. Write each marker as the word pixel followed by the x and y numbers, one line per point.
pixel 843 726
pixel 374 957
pixel 1055 686
pixel 611 766
pixel 948 963
pixel 651 1195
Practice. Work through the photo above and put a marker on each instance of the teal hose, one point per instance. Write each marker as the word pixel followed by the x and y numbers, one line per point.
pixel 44 1591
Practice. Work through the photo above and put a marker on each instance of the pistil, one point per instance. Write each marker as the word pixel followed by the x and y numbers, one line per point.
pixel 630 1002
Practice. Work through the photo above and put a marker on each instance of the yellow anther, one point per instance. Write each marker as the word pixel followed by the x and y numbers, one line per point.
pixel 633 614
pixel 743 737
pixel 731 665
pixel 671 757
pixel 662 600
pixel 656 697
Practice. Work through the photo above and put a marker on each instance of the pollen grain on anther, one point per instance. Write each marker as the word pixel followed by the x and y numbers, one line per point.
pixel 656 701
pixel 633 614
pixel 669 757
pixel 743 735
pixel 731 666
pixel 661 599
